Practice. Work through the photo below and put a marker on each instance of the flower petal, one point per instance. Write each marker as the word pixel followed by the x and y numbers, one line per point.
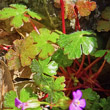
pixel 77 94
pixel 73 107
pixel 82 103
pixel 17 102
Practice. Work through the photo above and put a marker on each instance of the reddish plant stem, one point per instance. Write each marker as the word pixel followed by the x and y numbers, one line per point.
pixel 77 24
pixel 89 61
pixel 43 97
pixel 76 61
pixel 63 71
pixel 81 66
pixel 63 16
pixel 35 28
pixel 99 71
pixel 69 71
pixel 93 63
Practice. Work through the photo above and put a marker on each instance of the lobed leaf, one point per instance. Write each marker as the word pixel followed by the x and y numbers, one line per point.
pixel 85 7
pixel 44 66
pixel 103 25
pixel 28 51
pixel 99 53
pixel 107 57
pixel 18 14
pixel 106 13
pixel 44 42
pixel 9 99
pixel 77 43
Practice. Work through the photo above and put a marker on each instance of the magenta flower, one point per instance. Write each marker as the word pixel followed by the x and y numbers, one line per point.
pixel 19 104
pixel 32 103
pixel 77 103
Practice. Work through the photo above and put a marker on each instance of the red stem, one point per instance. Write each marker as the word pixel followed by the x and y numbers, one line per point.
pixel 89 61
pixel 63 16
pixel 77 24
pixel 93 63
pixel 81 66
pixel 99 71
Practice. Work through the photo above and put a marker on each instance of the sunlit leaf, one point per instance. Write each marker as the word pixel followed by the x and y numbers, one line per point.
pixel 44 66
pixel 17 12
pixel 77 43
pixel 44 42
pixel 9 100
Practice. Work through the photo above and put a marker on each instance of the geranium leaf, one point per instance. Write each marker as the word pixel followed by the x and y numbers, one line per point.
pixel 99 53
pixel 36 67
pixel 9 99
pixel 49 85
pixel 106 13
pixel 44 66
pixel 103 25
pixel 44 42
pixel 28 51
pixel 77 43
pixel 49 68
pixel 24 95
pixel 59 83
pixel 85 7
pixel 17 12
pixel 61 59
pixel 107 57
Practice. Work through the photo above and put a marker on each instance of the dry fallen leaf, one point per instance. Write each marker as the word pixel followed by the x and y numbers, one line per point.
pixel 6 83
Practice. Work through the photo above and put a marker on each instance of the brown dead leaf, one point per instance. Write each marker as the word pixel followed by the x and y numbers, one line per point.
pixel 6 83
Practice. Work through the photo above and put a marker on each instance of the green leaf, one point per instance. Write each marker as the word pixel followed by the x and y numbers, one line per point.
pixel 44 82
pixel 44 66
pixel 99 53
pixel 54 97
pixel 104 103
pixel 34 15
pixel 107 57
pixel 59 83
pixel 36 67
pixel 24 95
pixel 28 51
pixel 9 99
pixel 77 43
pixel 17 13
pixel 61 59
pixel 92 99
pixel 44 42
pixel 48 67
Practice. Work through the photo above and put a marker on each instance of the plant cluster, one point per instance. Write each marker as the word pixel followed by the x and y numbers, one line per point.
pixel 61 62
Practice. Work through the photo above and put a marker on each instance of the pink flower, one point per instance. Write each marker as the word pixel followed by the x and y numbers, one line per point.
pixel 19 104
pixel 32 103
pixel 77 103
